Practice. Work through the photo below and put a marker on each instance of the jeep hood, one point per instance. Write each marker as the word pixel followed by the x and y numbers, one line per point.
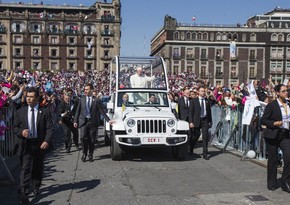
pixel 148 113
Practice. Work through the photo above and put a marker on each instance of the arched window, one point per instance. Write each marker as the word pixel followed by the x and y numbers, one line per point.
pixel 224 37
pixel 36 27
pixel 274 37
pixel 288 37
pixel 193 36
pixel 176 36
pixel 89 29
pixel 253 37
pixel 235 37
pixel 280 37
pixel 18 26
pixel 205 36
pixel 199 36
pixel 230 37
pixel 218 37
pixel 188 36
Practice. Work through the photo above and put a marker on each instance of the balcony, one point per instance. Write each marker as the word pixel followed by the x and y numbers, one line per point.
pixel 106 58
pixel 54 57
pixel 90 57
pixel 36 56
pixel 18 55
pixel 236 58
pixel 276 57
pixel 107 18
pixel 219 58
pixel 252 76
pixel 189 57
pixel 203 57
pixel 233 75
pixel 107 45
pixel 219 75
pixel 176 57
pixel 35 31
pixel 107 33
pixel 18 31
pixel 54 31
pixel 71 32
pixel 72 57
pixel 253 58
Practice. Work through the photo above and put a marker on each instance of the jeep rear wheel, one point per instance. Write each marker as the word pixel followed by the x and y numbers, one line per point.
pixel 179 152
pixel 116 150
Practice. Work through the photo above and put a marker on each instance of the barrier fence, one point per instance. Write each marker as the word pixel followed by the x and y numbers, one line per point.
pixel 229 133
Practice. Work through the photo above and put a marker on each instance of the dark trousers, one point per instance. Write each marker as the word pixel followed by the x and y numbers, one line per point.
pixel 283 141
pixel 69 129
pixel 88 137
pixel 31 161
pixel 204 126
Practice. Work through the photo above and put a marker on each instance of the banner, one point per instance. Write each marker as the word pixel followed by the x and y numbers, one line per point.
pixel 233 50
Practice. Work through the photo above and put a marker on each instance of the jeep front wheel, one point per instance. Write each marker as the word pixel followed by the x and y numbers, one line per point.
pixel 115 148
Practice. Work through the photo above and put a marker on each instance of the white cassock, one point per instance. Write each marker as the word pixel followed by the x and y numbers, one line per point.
pixel 140 81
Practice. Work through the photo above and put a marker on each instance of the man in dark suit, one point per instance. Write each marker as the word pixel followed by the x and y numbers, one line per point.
pixel 200 119
pixel 125 100
pixel 152 100
pixel 86 118
pixel 276 119
pixel 33 125
pixel 66 110
pixel 184 103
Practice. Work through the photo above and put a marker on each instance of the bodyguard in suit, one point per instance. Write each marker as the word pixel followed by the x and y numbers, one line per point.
pixel 200 119
pixel 86 118
pixel 33 125
pixel 184 103
pixel 67 110
pixel 276 118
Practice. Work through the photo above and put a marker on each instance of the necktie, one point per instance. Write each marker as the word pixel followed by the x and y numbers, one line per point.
pixel 88 106
pixel 202 107
pixel 32 123
pixel 186 102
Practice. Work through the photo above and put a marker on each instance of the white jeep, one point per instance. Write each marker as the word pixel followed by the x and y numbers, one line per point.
pixel 146 118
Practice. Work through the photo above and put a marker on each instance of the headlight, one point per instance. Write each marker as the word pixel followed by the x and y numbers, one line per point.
pixel 131 123
pixel 171 122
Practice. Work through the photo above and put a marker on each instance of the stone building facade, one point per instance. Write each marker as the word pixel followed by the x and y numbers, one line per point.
pixel 37 36
pixel 227 54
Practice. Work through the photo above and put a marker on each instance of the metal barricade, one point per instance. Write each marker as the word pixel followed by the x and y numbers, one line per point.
pixel 230 134
pixel 7 140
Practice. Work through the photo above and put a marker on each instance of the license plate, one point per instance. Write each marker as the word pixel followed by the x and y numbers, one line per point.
pixel 153 140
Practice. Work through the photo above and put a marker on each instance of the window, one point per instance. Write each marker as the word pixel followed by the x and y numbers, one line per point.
pixel 276 52
pixel 175 53
pixel 218 54
pixel 252 73
pixel 53 52
pixel 189 53
pixel 252 54
pixel 204 36
pixel 233 72
pixel 53 66
pixel 17 39
pixel 203 72
pixel 17 52
pixel 224 37
pixel 106 65
pixel 176 36
pixel 35 52
pixel 288 37
pixel 218 37
pixel 106 41
pixel 218 71
pixel 36 39
pixel 189 69
pixel 71 52
pixel 276 66
pixel 17 64
pixel 288 66
pixel 1 38
pixel 199 36
pixel 71 66
pixel 193 36
pixel 203 53
pixel 106 54
pixel 89 66
pixel 35 65
pixel 71 40
pixel 188 36
pixel 1 65
pixel 54 40
pixel 274 37
pixel 89 54
pixel 253 37
pixel 280 37
pixel 1 52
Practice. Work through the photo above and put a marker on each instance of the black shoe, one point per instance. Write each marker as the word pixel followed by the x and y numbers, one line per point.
pixel 285 187
pixel 78 147
pixel 271 188
pixel 84 158
pixel 23 198
pixel 205 156
pixel 91 158
pixel 67 150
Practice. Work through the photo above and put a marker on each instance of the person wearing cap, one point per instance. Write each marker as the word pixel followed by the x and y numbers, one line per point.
pixel 140 80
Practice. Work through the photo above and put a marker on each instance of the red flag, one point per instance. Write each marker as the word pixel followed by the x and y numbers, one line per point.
pixel 193 18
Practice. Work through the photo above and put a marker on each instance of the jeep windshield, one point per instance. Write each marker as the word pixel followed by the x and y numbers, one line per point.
pixel 142 99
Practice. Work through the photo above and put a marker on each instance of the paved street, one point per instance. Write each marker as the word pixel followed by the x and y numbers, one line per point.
pixel 149 176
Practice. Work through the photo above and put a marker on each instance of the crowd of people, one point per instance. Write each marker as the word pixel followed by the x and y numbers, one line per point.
pixel 71 101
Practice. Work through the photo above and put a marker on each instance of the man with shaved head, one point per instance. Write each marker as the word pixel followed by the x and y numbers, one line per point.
pixel 140 80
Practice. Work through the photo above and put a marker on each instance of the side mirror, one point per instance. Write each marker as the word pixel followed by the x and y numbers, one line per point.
pixel 110 105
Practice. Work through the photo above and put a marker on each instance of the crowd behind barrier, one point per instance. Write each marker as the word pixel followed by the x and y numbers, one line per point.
pixel 53 84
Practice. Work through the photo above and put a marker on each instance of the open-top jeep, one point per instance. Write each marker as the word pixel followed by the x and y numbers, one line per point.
pixel 141 108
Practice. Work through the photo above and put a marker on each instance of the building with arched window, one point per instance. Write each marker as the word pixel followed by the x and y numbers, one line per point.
pixel 228 53
pixel 52 37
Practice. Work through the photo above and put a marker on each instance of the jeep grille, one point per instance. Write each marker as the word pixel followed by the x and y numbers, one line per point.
pixel 151 126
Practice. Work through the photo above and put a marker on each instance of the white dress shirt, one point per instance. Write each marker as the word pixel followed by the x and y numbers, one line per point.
pixel 285 115
pixel 35 120
pixel 200 102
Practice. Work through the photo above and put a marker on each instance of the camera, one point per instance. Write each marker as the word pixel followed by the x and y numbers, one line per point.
pixel 22 81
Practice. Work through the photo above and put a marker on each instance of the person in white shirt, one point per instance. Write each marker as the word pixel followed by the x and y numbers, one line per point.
pixel 140 80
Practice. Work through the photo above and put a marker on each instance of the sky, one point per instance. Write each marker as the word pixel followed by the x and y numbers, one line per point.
pixel 142 19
